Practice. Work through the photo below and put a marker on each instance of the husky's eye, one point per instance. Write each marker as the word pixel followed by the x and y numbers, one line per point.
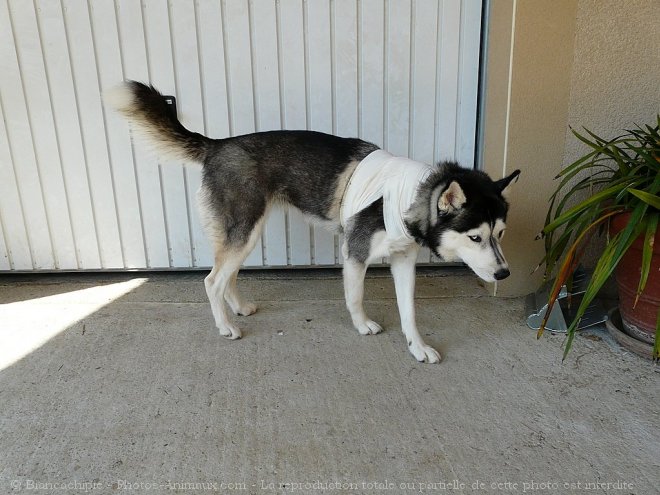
pixel 475 238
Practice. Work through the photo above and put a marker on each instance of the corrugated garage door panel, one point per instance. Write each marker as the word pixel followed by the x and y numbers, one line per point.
pixel 75 194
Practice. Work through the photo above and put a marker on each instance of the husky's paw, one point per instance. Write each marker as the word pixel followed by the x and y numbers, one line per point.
pixel 368 327
pixel 245 309
pixel 424 353
pixel 230 331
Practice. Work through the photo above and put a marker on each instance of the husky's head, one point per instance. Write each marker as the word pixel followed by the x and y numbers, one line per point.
pixel 460 215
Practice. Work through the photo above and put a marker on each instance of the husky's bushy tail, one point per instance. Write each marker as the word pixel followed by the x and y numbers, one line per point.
pixel 152 120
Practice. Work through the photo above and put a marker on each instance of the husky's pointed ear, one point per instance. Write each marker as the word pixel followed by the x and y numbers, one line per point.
pixel 452 199
pixel 504 185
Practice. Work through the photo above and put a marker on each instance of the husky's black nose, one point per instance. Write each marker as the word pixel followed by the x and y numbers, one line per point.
pixel 502 273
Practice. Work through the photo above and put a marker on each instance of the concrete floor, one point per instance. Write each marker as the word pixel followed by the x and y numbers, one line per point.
pixel 111 383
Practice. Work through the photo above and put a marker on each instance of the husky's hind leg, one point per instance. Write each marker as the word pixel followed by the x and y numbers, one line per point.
pixel 238 305
pixel 216 283
pixel 220 283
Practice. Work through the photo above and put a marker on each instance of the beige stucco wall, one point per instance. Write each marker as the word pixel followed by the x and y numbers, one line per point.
pixel 592 63
pixel 615 80
pixel 535 99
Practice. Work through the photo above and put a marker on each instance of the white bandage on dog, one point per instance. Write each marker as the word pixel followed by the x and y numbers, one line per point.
pixel 393 178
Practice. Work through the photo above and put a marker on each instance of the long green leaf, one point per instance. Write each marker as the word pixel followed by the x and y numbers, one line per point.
pixel 599 173
pixel 569 343
pixel 594 171
pixel 596 198
pixel 580 186
pixel 633 229
pixel 621 158
pixel 608 261
pixel 647 254
pixel 572 229
pixel 651 199
pixel 557 249
pixel 567 269
pixel 621 195
pixel 647 135
pixel 591 181
pixel 602 146
pixel 599 143
pixel 575 164
pixel 614 192
pixel 647 154
pixel 564 272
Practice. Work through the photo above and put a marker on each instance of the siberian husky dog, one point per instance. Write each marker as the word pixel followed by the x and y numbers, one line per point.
pixel 384 205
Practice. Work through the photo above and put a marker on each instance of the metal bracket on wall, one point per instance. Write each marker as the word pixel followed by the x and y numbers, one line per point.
pixel 171 101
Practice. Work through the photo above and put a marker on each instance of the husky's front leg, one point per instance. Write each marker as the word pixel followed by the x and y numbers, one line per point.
pixel 354 272
pixel 403 271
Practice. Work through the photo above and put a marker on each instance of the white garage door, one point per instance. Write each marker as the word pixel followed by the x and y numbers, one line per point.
pixel 74 193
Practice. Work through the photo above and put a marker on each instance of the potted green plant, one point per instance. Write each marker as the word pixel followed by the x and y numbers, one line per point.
pixel 624 172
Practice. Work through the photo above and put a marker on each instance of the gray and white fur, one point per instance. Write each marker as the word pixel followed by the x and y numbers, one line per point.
pixel 460 214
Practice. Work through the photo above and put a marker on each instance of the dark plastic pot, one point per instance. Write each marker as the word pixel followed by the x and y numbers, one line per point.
pixel 638 321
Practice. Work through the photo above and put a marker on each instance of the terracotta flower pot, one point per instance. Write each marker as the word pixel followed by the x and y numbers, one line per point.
pixel 640 321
